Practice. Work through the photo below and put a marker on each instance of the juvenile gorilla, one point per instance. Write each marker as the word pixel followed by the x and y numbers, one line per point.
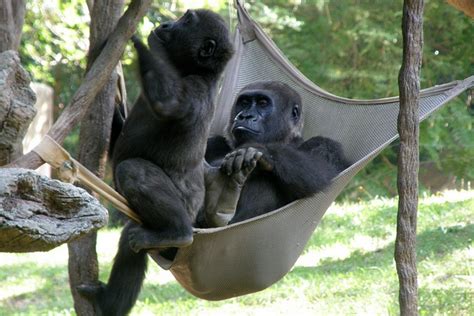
pixel 159 155
pixel 267 116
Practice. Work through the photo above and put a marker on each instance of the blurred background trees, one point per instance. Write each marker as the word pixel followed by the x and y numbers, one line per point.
pixel 351 48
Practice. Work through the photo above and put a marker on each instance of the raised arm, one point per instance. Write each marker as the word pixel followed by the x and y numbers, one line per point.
pixel 161 82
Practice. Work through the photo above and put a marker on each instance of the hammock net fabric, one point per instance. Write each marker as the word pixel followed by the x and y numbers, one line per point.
pixel 249 256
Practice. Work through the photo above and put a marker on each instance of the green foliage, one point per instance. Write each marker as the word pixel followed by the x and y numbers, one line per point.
pixel 354 49
pixel 54 44
pixel 347 268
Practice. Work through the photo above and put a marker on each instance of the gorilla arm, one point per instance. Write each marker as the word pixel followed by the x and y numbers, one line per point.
pixel 160 80
pixel 300 173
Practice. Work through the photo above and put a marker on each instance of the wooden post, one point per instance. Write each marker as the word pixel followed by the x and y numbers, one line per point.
pixel 408 156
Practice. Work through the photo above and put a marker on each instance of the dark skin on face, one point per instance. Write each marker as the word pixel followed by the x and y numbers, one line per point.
pixel 267 116
pixel 158 157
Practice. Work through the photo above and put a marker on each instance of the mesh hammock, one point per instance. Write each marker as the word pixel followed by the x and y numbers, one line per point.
pixel 251 255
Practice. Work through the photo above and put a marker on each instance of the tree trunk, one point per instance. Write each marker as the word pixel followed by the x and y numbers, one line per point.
pixel 93 144
pixel 12 15
pixel 408 156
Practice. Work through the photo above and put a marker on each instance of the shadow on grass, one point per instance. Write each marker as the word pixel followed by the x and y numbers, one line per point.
pixel 44 288
pixel 433 243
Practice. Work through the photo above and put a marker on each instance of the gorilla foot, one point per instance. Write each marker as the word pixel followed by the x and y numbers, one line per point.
pixel 240 163
pixel 141 238
pixel 92 293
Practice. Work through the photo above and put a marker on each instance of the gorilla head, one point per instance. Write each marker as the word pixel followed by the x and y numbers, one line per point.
pixel 197 43
pixel 266 112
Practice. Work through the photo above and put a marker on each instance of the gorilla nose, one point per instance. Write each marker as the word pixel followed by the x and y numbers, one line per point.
pixel 165 25
pixel 246 117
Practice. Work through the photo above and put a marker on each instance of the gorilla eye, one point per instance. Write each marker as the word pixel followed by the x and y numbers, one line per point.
pixel 207 49
pixel 262 102
pixel 189 16
pixel 244 102
pixel 295 113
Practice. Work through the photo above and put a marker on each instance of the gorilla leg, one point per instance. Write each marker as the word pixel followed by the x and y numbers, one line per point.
pixel 158 202
pixel 125 281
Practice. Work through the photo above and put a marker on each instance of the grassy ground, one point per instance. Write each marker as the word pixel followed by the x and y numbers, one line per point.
pixel 346 269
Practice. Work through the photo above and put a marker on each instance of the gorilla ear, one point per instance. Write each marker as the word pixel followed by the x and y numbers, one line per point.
pixel 295 113
pixel 207 49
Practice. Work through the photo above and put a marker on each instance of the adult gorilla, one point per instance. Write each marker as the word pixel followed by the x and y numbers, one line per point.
pixel 267 116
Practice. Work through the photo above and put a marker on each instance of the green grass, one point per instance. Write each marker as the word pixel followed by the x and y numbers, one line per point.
pixel 347 269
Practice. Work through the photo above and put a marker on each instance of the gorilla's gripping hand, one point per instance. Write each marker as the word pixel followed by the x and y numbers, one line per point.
pixel 224 184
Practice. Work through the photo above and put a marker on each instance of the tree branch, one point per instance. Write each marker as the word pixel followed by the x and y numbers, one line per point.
pixel 94 80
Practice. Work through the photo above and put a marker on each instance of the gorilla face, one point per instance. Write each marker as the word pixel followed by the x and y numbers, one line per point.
pixel 196 43
pixel 266 112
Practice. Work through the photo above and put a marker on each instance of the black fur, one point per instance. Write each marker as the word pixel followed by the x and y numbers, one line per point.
pixel 268 117
pixel 159 156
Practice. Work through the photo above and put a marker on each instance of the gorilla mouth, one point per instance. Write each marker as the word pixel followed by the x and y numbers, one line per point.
pixel 157 35
pixel 241 128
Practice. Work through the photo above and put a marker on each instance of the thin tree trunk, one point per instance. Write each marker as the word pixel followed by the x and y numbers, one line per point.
pixel 408 156
pixel 93 144
pixel 12 15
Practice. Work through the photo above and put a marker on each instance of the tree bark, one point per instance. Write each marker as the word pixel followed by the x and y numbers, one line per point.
pixel 94 80
pixel 39 214
pixel 408 156
pixel 17 106
pixel 12 15
pixel 93 144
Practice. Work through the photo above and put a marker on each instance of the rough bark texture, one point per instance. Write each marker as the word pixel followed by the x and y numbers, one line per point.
pixel 12 15
pixel 408 156
pixel 94 81
pixel 93 144
pixel 38 214
pixel 17 106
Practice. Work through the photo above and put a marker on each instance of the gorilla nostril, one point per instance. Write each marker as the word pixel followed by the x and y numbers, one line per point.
pixel 165 25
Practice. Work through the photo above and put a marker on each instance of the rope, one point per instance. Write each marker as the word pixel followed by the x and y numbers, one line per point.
pixel 71 170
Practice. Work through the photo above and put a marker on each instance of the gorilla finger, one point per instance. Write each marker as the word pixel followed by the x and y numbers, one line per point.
pixel 239 160
pixel 227 166
pixel 250 156
pixel 258 155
